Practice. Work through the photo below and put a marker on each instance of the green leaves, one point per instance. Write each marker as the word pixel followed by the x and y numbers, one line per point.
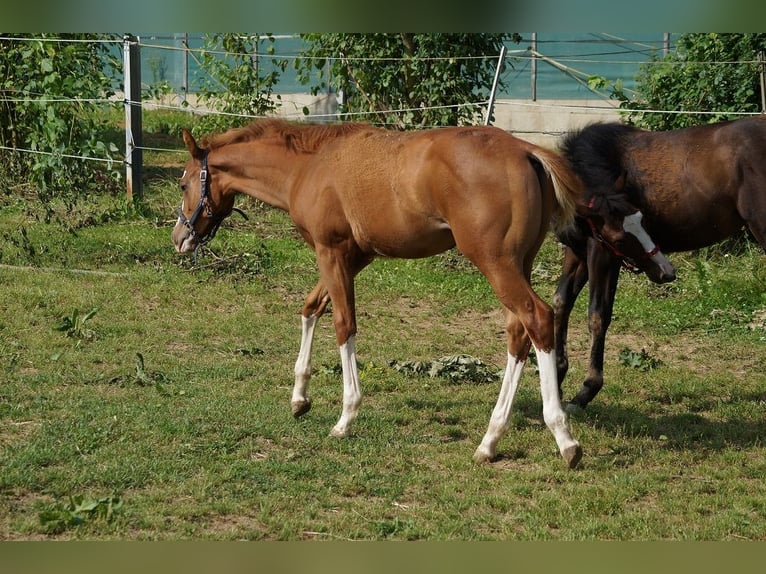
pixel 418 80
pixel 707 72
pixel 75 325
pixel 642 361
pixel 43 81
pixel 236 82
pixel 58 517
pixel 454 368
pixel 145 378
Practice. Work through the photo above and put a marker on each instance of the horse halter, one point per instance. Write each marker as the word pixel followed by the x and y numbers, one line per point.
pixel 628 263
pixel 217 218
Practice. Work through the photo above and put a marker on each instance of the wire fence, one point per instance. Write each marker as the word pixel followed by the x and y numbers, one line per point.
pixel 571 62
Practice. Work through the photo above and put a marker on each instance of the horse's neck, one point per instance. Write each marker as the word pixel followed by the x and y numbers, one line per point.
pixel 265 174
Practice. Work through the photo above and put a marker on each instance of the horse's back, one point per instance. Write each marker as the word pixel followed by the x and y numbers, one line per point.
pixel 414 194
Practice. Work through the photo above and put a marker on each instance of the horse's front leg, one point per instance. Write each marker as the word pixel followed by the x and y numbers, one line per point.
pixel 313 308
pixel 574 276
pixel 604 273
pixel 338 266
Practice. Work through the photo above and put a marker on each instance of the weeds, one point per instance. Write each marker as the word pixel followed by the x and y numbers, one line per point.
pixel 642 361
pixel 144 378
pixel 58 517
pixel 454 368
pixel 76 325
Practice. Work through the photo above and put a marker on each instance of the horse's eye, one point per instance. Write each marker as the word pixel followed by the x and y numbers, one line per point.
pixel 183 187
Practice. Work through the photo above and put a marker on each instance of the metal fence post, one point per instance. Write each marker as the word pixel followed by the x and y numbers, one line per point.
pixel 493 93
pixel 133 125
pixel 762 62
pixel 534 66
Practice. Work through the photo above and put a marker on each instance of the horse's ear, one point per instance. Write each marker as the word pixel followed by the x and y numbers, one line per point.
pixel 191 145
pixel 619 183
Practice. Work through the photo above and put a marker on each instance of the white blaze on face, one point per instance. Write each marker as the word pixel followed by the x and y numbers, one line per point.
pixel 182 210
pixel 183 206
pixel 632 224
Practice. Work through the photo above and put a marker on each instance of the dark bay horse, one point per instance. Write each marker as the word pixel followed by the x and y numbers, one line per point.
pixel 694 186
pixel 356 192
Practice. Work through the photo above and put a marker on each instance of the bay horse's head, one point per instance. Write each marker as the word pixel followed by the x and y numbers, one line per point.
pixel 617 224
pixel 204 205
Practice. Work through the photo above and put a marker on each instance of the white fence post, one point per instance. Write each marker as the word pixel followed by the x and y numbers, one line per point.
pixel 762 62
pixel 133 126
pixel 493 93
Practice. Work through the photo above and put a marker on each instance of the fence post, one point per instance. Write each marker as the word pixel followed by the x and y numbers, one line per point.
pixel 491 104
pixel 185 86
pixel 133 125
pixel 762 62
pixel 534 66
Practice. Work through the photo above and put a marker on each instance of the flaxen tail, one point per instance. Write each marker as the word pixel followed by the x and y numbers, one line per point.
pixel 567 187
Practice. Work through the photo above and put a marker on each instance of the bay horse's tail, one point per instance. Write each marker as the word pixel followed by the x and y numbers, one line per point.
pixel 567 187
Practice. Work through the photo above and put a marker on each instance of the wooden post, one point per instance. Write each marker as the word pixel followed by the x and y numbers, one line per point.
pixel 133 125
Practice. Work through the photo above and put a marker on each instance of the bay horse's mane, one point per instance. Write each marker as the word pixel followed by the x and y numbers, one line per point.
pixel 596 153
pixel 298 136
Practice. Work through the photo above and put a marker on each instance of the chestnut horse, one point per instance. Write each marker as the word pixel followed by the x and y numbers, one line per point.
pixel 694 186
pixel 355 192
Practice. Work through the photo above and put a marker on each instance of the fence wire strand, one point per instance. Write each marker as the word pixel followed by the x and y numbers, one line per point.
pixel 559 63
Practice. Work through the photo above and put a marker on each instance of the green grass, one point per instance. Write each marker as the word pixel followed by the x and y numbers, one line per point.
pixel 195 440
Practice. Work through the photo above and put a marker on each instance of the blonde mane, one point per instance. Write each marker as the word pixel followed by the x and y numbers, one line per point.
pixel 298 136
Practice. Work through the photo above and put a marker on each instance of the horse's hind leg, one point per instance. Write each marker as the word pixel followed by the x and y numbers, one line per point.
pixel 313 308
pixel 752 208
pixel 499 422
pixel 529 318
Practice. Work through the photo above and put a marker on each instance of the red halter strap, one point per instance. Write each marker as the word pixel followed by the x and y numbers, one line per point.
pixel 626 262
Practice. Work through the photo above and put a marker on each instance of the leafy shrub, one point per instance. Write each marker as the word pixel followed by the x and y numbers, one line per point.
pixel 234 82
pixel 44 82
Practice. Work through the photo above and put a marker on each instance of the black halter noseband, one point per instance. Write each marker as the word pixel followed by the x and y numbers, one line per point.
pixel 216 218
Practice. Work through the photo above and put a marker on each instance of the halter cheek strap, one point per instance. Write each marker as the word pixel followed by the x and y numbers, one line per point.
pixel 217 218
pixel 626 262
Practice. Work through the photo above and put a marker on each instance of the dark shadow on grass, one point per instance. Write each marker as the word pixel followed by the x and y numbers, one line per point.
pixel 690 430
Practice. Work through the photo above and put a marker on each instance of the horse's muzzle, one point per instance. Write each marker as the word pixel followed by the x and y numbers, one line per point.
pixel 660 269
pixel 184 241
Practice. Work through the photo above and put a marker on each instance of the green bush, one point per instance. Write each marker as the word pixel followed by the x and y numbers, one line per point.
pixel 45 82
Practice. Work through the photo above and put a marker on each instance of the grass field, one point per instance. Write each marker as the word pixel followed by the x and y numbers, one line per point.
pixel 145 398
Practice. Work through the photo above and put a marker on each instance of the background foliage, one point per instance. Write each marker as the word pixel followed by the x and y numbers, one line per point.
pixel 32 72
pixel 235 84
pixel 707 72
pixel 404 75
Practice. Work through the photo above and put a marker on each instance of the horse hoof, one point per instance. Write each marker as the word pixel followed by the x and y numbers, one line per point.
pixel 482 457
pixel 338 432
pixel 300 407
pixel 573 409
pixel 572 455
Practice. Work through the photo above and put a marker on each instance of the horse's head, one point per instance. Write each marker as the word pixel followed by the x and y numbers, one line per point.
pixel 617 224
pixel 205 204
